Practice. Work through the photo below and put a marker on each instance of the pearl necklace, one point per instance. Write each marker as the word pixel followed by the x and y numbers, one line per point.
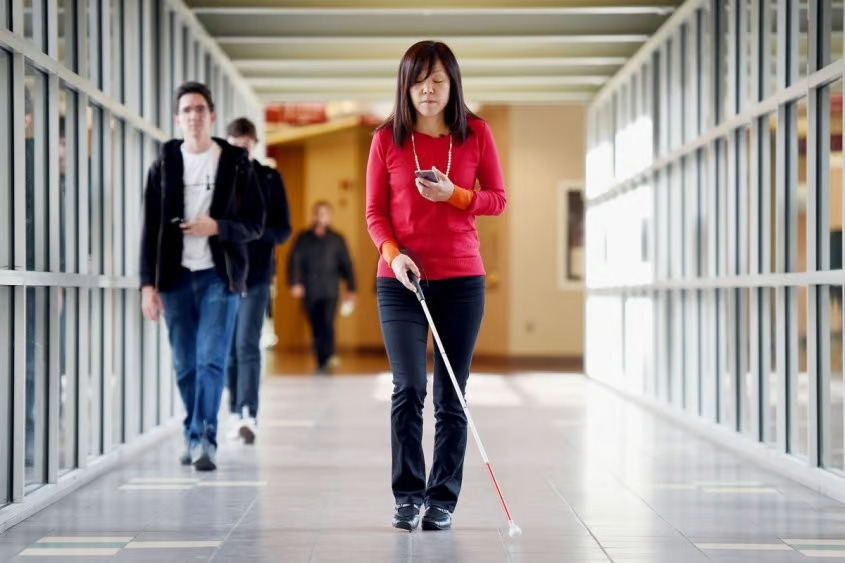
pixel 417 160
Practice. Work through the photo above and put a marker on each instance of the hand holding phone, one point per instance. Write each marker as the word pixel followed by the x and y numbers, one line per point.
pixel 427 175
pixel 439 187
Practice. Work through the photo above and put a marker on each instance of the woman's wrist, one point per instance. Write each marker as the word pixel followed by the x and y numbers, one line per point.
pixel 389 251
pixel 461 197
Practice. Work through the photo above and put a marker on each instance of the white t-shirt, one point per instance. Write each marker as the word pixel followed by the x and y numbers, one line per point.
pixel 200 172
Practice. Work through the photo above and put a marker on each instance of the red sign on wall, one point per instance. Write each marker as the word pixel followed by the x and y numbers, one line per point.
pixel 295 114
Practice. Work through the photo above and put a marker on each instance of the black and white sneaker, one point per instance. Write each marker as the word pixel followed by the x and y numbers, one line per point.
pixel 205 458
pixel 248 430
pixel 185 458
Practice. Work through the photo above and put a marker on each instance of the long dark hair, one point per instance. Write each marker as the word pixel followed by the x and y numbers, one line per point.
pixel 423 56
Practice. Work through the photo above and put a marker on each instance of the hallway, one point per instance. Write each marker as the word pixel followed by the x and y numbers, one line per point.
pixel 588 477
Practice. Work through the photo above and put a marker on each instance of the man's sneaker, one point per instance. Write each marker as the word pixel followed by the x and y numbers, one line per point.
pixel 185 458
pixel 205 457
pixel 233 425
pixel 436 518
pixel 248 430
pixel 406 516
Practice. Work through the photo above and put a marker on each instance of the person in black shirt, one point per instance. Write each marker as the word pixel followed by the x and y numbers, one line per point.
pixel 317 263
pixel 244 370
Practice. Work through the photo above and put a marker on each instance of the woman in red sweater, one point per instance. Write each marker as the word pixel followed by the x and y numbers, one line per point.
pixel 428 228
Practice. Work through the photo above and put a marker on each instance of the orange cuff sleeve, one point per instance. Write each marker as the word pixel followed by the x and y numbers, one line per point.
pixel 389 251
pixel 462 198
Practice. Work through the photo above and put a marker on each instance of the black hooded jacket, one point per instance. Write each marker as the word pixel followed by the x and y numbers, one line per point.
pixel 277 228
pixel 237 205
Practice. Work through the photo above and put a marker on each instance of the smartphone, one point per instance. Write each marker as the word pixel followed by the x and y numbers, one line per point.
pixel 428 175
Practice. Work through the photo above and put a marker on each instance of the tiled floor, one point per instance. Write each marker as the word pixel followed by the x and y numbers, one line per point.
pixel 588 477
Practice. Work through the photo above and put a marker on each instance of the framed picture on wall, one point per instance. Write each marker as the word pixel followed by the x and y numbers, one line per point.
pixel 571 234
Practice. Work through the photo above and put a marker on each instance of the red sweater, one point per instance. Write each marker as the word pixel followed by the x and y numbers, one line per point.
pixel 441 235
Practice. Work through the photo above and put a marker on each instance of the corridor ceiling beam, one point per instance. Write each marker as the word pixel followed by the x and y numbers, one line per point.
pixel 542 51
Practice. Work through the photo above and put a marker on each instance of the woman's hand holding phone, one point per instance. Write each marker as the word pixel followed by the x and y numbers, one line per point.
pixel 440 189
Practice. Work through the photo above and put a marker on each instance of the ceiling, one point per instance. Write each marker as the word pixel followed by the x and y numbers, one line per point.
pixel 509 51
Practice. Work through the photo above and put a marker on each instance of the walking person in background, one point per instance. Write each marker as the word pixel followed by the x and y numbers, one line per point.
pixel 245 357
pixel 202 205
pixel 431 128
pixel 317 263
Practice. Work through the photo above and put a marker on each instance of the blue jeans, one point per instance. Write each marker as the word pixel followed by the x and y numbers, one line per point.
pixel 200 314
pixel 245 356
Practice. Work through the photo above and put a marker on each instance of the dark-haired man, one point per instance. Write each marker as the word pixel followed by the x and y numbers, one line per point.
pixel 245 358
pixel 202 206
pixel 317 263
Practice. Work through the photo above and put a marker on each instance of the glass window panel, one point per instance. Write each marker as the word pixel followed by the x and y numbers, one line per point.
pixel 35 445
pixel 35 22
pixel 770 398
pixel 706 214
pixel 93 48
pixel 65 314
pixel 746 189
pixel 721 169
pixel 117 368
pixel 187 54
pixel 746 347
pixel 747 45
pixel 772 16
pixel 36 167
pixel 724 61
pixel 68 178
pixel 94 400
pixel 803 38
pixel 5 20
pixel 116 51
pixel 708 354
pixel 769 170
pixel 157 77
pixel 832 153
pixel 679 333
pixel 67 32
pixel 690 368
pixel 800 380
pixel 834 438
pixel 725 391
pixel 7 437
pixel 96 191
pixel 728 395
pixel 797 185
pixel 6 206
pixel 638 312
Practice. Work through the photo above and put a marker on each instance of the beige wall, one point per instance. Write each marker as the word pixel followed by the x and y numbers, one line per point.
pixel 332 172
pixel 493 232
pixel 547 147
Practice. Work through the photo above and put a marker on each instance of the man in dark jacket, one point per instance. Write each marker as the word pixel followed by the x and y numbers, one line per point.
pixel 202 205
pixel 317 263
pixel 245 357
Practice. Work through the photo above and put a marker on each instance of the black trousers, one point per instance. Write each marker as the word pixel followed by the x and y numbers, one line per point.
pixel 457 307
pixel 321 315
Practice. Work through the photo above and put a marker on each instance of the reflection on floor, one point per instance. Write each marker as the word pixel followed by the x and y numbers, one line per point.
pixel 588 477
pixel 282 362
